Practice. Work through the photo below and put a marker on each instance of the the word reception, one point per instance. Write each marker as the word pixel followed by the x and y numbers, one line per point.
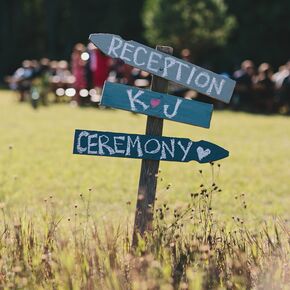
pixel 166 66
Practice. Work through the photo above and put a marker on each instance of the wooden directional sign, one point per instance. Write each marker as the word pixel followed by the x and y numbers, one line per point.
pixel 166 66
pixel 145 147
pixel 155 104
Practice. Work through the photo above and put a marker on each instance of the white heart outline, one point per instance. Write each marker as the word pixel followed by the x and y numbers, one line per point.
pixel 202 153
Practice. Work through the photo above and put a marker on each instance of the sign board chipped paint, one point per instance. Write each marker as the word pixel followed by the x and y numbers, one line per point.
pixel 156 104
pixel 145 147
pixel 166 66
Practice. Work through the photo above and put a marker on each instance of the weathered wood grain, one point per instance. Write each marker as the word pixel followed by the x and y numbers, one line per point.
pixel 149 168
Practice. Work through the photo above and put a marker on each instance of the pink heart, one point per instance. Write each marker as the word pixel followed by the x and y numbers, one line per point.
pixel 154 102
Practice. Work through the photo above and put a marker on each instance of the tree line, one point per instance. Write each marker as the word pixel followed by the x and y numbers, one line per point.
pixel 220 33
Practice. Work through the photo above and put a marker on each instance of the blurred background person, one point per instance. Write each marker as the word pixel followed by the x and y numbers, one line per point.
pixel 21 79
pixel 100 66
pixel 243 93
pixel 79 71
pixel 284 93
pixel 264 89
pixel 280 75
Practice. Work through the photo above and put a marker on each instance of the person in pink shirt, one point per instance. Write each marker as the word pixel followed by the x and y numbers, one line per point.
pixel 100 67
pixel 78 70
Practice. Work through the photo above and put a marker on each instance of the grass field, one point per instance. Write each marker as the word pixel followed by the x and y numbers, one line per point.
pixel 52 203
pixel 41 163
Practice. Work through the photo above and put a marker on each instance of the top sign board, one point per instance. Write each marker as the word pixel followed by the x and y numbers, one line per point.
pixel 166 66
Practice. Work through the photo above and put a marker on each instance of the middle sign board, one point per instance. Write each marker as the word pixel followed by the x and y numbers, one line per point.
pixel 156 104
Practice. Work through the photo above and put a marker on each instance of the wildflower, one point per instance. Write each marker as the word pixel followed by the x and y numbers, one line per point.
pixel 2 205
pixel 17 269
pixel 184 286
pixel 44 257
pixel 24 282
pixel 204 248
pixel 140 197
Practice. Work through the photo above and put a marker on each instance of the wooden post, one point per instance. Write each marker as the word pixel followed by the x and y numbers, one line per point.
pixel 149 168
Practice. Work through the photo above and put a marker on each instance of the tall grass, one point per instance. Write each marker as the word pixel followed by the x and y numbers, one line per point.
pixel 189 248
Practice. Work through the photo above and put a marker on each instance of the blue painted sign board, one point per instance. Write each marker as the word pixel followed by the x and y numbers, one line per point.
pixel 165 66
pixel 145 147
pixel 159 105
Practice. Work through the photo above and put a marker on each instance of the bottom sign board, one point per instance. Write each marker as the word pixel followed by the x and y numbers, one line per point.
pixel 145 147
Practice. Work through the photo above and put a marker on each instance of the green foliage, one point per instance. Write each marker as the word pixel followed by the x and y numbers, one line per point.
pixel 198 25
pixel 49 28
pixel 262 33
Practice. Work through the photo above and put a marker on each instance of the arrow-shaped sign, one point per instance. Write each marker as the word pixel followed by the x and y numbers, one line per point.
pixel 166 66
pixel 156 104
pixel 145 147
